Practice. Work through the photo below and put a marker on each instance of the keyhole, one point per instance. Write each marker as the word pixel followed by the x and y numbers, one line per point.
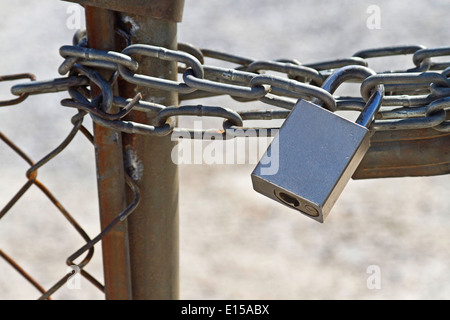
pixel 294 202
pixel 288 199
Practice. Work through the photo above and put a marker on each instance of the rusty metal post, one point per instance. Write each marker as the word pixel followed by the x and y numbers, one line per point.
pixel 110 172
pixel 154 226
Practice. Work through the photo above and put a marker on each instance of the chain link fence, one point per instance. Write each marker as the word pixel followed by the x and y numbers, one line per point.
pixel 239 237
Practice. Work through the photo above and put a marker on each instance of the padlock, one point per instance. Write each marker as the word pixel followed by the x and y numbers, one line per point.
pixel 317 151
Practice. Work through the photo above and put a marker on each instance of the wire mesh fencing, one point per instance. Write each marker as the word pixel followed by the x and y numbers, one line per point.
pixel 33 181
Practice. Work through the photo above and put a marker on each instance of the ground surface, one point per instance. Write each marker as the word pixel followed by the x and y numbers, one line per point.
pixel 235 244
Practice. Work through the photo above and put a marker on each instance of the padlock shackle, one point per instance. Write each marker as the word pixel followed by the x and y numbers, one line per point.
pixel 344 74
pixel 356 73
pixel 371 108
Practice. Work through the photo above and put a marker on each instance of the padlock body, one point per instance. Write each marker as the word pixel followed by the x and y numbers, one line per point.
pixel 317 152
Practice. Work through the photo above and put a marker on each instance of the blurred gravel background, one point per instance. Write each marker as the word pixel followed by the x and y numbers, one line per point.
pixel 235 243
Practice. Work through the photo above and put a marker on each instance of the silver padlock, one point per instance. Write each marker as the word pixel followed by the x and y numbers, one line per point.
pixel 318 151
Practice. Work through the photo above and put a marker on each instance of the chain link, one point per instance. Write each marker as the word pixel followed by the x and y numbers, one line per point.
pixel 415 90
pixel 22 96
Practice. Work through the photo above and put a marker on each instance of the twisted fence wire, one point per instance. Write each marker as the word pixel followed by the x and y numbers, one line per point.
pixel 31 175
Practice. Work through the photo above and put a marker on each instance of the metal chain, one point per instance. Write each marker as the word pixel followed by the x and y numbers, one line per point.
pixel 415 98
pixel 414 90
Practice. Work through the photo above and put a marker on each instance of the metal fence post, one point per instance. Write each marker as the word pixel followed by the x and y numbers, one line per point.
pixel 154 226
pixel 153 229
pixel 101 26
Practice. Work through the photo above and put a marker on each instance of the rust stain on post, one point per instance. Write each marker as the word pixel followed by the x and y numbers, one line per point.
pixel 110 172
pixel 154 226
pixel 402 153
